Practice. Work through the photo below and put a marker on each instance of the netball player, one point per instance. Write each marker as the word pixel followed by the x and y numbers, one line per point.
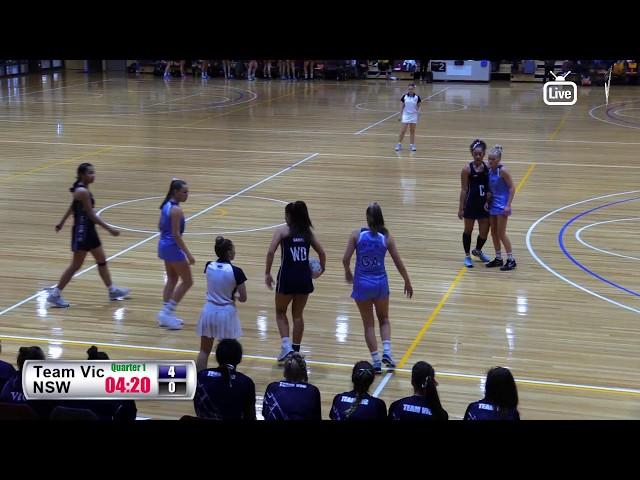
pixel 409 116
pixel 502 192
pixel 370 283
pixel 84 238
pixel 473 198
pixel 294 276
pixel 219 317
pixel 174 252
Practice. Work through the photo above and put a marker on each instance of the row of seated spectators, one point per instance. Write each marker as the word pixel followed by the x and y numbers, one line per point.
pixel 223 393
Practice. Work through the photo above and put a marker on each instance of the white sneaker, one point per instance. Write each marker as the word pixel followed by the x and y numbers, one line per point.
pixel 118 293
pixel 168 320
pixel 56 300
pixel 412 147
pixel 398 147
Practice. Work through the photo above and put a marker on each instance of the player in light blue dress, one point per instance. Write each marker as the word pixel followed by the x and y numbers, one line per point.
pixel 370 283
pixel 174 252
pixel 502 192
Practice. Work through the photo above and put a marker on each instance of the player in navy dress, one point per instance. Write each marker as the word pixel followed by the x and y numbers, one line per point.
pixel 474 191
pixel 358 404
pixel 502 192
pixel 424 404
pixel 370 283
pixel 84 238
pixel 500 400
pixel 223 393
pixel 294 276
pixel 174 252
pixel 293 398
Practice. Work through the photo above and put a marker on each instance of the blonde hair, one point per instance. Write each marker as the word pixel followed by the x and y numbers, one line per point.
pixel 496 150
pixel 295 368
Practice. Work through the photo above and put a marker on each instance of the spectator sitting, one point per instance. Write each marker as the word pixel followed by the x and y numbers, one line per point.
pixel 292 398
pixel 222 393
pixel 119 410
pixel 424 404
pixel 12 391
pixel 358 404
pixel 500 400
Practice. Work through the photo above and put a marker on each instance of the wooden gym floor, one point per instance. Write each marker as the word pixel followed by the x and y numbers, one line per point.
pixel 568 329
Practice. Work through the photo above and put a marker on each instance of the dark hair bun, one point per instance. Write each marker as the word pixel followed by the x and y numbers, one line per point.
pixel 219 240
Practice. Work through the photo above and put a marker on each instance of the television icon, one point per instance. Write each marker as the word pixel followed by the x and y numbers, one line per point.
pixel 560 91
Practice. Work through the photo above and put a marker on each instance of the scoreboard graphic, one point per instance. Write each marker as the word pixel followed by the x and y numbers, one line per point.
pixel 109 380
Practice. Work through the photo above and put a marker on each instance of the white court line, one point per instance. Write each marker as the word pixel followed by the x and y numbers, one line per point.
pixel 588 245
pixel 384 381
pixel 152 147
pixel 377 123
pixel 561 277
pixel 173 100
pixel 257 229
pixel 269 152
pixel 8 309
pixel 307 132
pixel 397 113
pixel 52 89
pixel 382 384
pixel 252 96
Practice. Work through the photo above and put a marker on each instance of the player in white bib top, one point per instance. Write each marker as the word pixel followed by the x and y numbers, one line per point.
pixel 219 316
pixel 409 116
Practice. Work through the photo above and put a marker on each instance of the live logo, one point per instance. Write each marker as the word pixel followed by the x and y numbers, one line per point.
pixel 556 92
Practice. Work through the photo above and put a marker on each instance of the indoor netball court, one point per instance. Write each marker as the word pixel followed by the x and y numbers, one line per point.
pixel 565 321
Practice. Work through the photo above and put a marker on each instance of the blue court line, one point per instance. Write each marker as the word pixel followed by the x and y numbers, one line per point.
pixel 580 265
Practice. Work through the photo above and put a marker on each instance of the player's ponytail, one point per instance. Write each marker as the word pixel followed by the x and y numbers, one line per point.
pixel 298 218
pixel 423 379
pixel 362 378
pixel 228 355
pixel 94 354
pixel 175 186
pixel 375 220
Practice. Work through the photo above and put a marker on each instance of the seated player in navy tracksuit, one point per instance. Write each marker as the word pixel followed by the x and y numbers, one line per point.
pixel 292 398
pixel 424 404
pixel 500 400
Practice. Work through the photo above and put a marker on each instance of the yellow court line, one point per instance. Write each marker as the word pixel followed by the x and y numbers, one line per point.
pixel 53 164
pixel 560 125
pixel 431 318
pixel 238 109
